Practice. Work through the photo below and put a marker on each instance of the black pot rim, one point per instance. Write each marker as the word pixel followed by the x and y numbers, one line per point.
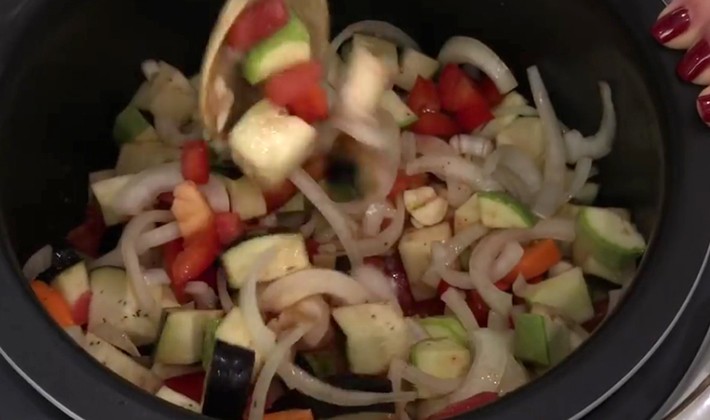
pixel 81 388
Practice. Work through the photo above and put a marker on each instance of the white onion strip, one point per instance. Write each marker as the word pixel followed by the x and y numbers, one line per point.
pixel 395 377
pixel 276 357
pixel 507 260
pixel 289 289
pixel 444 253
pixel 383 242
pixel 264 338
pixel 297 378
pixel 37 262
pixel 374 216
pixel 225 300
pixel 116 337
pixel 202 294
pixel 453 166
pixel 337 220
pixel 379 286
pixel 216 194
pixel 462 49
pixel 497 322
pixel 551 193
pixel 600 144
pixel 130 256
pixel 157 237
pixel 433 146
pixel 156 276
pixel 582 171
pixel 455 301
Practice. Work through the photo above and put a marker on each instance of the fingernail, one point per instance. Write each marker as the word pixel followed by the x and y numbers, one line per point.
pixel 670 25
pixel 696 60
pixel 704 108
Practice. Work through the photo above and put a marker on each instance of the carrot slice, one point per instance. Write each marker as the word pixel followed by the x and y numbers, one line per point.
pixel 290 415
pixel 53 302
pixel 537 259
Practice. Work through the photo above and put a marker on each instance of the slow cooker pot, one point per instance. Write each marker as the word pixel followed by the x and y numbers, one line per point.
pixel 67 67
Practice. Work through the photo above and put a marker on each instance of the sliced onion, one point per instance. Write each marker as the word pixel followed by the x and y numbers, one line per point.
pixel 297 378
pixel 582 171
pixel 38 262
pixel 128 241
pixel 202 294
pixel 156 276
pixel 309 227
pixel 313 310
pixel 433 146
pixel 498 300
pixel 369 27
pixel 497 321
pixel 453 166
pixel 337 220
pixel 289 289
pixel 514 376
pixel 600 144
pixel 513 184
pixel 432 384
pixel 264 338
pixel 395 377
pixel 116 337
pixel 445 253
pixel 520 287
pixel 157 237
pixel 472 145
pixel 139 193
pixel 461 49
pixel 383 242
pixel 457 279
pixel 522 165
pixel 454 300
pixel 225 300
pixel 551 193
pixel 490 357
pixel 216 194
pixel 559 268
pixel 457 192
pixel 278 355
pixel 374 216
pixel 409 147
pixel 380 132
pixel 327 134
pixel 379 286
pixel 416 332
pixel 509 257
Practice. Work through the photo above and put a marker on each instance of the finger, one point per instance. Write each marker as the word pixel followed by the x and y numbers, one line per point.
pixel 695 65
pixel 675 28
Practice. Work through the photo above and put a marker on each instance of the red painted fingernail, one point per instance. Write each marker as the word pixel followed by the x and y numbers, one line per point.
pixel 696 60
pixel 670 25
pixel 704 108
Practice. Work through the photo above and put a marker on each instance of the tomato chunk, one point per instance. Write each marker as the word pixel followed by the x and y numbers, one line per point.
pixel 537 259
pixel 479 307
pixel 489 90
pixel 229 227
pixel 258 21
pixel 424 98
pixel 170 252
pixel 457 90
pixel 405 182
pixel 200 252
pixel 473 116
pixel 195 162
pixel 291 84
pixel 86 237
pixel 80 310
pixel 312 106
pixel 436 124
pixel 188 385
pixel 465 406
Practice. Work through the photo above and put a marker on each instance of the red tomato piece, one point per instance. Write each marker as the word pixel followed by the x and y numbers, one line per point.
pixel 436 124
pixel 278 196
pixel 601 307
pixel 473 116
pixel 457 90
pixel 170 252
pixel 393 268
pixel 200 252
pixel 80 310
pixel 465 406
pixel 209 276
pixel 195 162
pixel 188 385
pixel 405 182
pixel 229 227
pixel 312 248
pixel 312 106
pixel 479 307
pixel 489 90
pixel 291 84
pixel 423 98
pixel 86 238
pixel 258 21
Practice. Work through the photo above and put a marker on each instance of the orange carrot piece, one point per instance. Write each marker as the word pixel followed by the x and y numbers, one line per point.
pixel 537 259
pixel 290 415
pixel 53 303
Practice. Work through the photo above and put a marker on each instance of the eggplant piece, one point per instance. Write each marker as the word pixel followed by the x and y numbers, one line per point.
pixel 63 257
pixel 228 382
pixel 294 399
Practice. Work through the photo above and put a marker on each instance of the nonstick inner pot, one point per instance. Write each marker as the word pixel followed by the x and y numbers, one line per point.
pixel 75 64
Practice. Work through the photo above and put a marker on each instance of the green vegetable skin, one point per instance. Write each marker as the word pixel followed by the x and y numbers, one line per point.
pixel 209 341
pixel 500 210
pixel 289 46
pixel 441 357
pixel 182 336
pixel 444 327
pixel 530 343
pixel 605 236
